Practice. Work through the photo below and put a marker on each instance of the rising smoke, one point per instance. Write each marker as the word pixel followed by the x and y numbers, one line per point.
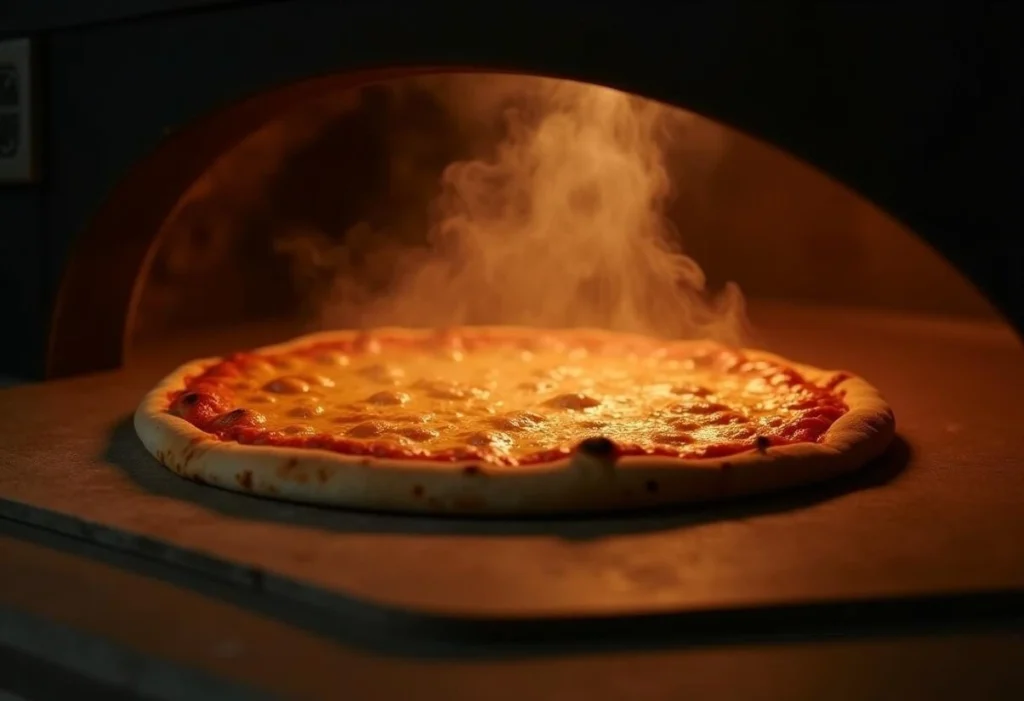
pixel 562 224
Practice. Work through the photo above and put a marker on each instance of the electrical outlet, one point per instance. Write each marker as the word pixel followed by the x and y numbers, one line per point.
pixel 17 155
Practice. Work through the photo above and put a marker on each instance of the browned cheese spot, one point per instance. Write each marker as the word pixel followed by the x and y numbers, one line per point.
pixel 725 418
pixel 284 362
pixel 350 418
pixel 691 390
pixel 306 412
pixel 672 439
pixel 418 433
pixel 388 398
pixel 411 418
pixel 536 386
pixel 684 424
pixel 366 343
pixel 287 385
pixel 261 398
pixel 442 389
pixel 256 366
pixel 575 401
pixel 318 380
pixel 369 429
pixel 383 374
pixel 490 439
pixel 240 417
pixel 333 358
pixel 698 408
pixel 518 421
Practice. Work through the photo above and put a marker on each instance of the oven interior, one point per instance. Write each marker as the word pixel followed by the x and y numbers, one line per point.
pixel 218 174
pixel 342 206
pixel 584 205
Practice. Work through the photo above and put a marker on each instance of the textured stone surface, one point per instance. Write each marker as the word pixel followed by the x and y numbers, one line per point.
pixel 939 514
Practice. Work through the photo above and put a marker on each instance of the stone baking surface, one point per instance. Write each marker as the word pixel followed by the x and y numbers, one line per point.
pixel 165 633
pixel 939 514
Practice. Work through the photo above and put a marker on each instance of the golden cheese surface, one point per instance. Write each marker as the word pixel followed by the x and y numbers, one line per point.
pixel 507 401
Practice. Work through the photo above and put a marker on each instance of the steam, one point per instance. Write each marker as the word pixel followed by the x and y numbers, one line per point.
pixel 562 224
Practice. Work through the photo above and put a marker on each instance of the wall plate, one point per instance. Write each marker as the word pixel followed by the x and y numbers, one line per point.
pixel 17 143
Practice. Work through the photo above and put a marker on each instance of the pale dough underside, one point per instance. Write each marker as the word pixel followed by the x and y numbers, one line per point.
pixel 578 483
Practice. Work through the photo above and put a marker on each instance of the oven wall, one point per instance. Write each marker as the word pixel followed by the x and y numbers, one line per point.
pixel 371 160
pixel 114 82
pixel 114 86
pixel 28 270
pixel 21 280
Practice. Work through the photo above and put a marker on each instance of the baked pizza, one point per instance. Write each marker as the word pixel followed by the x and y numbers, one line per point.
pixel 505 420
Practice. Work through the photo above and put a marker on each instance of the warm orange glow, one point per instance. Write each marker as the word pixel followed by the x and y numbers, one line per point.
pixel 507 396
pixel 559 206
pixel 562 225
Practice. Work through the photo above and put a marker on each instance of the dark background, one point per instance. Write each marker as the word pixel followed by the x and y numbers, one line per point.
pixel 917 108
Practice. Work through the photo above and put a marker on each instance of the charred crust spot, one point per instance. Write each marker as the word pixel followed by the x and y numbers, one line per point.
pixel 199 479
pixel 321 475
pixel 245 480
pixel 762 443
pixel 472 470
pixel 291 464
pixel 651 486
pixel 417 490
pixel 598 447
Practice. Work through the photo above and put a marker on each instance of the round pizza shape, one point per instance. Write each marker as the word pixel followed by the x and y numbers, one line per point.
pixel 508 420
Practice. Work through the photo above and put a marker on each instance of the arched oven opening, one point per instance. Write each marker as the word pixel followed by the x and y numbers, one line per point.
pixel 435 197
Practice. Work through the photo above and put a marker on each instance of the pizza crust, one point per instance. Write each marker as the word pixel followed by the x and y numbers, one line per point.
pixel 576 484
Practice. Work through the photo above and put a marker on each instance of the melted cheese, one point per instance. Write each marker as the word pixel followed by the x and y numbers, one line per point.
pixel 507 401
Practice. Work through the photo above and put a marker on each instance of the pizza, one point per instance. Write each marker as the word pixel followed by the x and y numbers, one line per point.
pixel 508 420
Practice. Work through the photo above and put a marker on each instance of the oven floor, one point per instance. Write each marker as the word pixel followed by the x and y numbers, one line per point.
pixel 82 621
pixel 939 516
